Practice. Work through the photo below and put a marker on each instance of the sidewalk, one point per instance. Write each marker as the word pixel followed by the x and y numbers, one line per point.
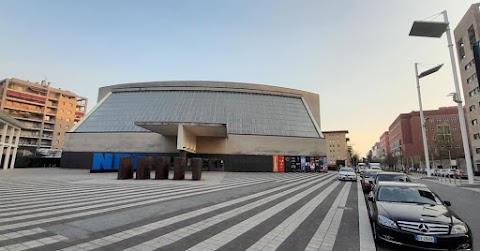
pixel 460 183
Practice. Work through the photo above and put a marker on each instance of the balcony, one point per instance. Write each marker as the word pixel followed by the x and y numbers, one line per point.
pixel 28 119
pixel 26 96
pixel 29 136
pixel 10 107
pixel 25 101
pixel 27 144
pixel 32 128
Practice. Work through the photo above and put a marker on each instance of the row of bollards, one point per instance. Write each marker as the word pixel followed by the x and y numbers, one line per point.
pixel 161 166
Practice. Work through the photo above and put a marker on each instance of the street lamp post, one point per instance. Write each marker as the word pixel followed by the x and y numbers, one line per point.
pixel 422 118
pixel 436 29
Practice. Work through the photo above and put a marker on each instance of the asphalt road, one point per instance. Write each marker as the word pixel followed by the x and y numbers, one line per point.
pixel 465 203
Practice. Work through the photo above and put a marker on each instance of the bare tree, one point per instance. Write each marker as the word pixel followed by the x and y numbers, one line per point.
pixel 353 156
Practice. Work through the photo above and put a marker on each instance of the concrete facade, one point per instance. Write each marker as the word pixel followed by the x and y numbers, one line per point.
pixel 87 146
pixel 467 34
pixel 336 146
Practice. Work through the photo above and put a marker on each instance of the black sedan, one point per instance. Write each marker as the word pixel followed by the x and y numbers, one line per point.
pixel 411 215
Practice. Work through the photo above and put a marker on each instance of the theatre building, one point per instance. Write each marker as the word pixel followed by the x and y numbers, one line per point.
pixel 232 126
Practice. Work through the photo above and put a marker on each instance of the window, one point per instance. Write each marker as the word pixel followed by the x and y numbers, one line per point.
pixel 454 118
pixel 473 92
pixel 476 136
pixel 470 64
pixel 432 129
pixel 58 133
pixel 474 122
pixel 477 150
pixel 471 78
pixel 439 120
pixel 455 129
pixel 56 141
pixel 461 49
pixel 457 147
pixel 471 36
pixel 432 120
pixel 472 108
pixel 445 119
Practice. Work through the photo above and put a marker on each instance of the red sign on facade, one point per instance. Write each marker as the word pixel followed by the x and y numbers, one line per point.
pixel 281 164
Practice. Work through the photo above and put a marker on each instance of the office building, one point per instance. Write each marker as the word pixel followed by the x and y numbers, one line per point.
pixel 336 146
pixel 467 34
pixel 443 136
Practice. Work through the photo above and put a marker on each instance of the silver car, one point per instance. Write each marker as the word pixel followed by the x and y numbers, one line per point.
pixel 347 173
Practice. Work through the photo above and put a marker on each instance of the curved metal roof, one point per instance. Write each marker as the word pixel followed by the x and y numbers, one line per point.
pixel 243 113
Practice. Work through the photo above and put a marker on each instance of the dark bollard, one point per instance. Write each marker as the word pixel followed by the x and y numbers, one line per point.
pixel 161 165
pixel 144 168
pixel 196 168
pixel 126 168
pixel 178 168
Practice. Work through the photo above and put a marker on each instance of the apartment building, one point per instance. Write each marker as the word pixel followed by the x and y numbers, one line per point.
pixel 442 131
pixel 336 146
pixel 384 145
pixel 46 112
pixel 467 35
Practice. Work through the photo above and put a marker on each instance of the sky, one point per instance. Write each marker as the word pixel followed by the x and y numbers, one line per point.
pixel 356 55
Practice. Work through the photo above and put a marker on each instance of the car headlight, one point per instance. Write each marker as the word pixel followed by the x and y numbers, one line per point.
pixel 382 220
pixel 459 229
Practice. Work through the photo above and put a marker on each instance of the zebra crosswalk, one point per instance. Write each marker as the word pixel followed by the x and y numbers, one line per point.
pixel 242 211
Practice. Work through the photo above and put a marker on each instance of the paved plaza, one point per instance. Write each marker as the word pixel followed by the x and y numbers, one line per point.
pixel 59 209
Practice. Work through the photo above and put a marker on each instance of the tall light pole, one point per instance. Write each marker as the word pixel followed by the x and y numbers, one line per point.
pixel 422 118
pixel 436 29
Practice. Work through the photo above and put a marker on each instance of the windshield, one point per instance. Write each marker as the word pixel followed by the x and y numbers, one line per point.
pixel 407 195
pixel 370 174
pixel 399 177
pixel 346 169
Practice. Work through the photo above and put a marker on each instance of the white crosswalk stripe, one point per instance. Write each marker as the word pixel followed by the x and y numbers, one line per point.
pixel 278 235
pixel 119 204
pixel 26 213
pixel 170 221
pixel 324 238
pixel 235 231
pixel 178 234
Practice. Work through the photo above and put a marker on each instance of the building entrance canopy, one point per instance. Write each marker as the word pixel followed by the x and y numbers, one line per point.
pixel 186 133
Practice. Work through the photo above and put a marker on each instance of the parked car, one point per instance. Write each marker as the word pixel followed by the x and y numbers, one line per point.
pixel 361 167
pixel 391 176
pixel 375 166
pixel 411 215
pixel 460 174
pixel 367 179
pixel 347 173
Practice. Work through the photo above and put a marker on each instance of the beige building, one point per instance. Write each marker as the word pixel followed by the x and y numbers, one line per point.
pixel 336 147
pixel 467 34
pixel 47 113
